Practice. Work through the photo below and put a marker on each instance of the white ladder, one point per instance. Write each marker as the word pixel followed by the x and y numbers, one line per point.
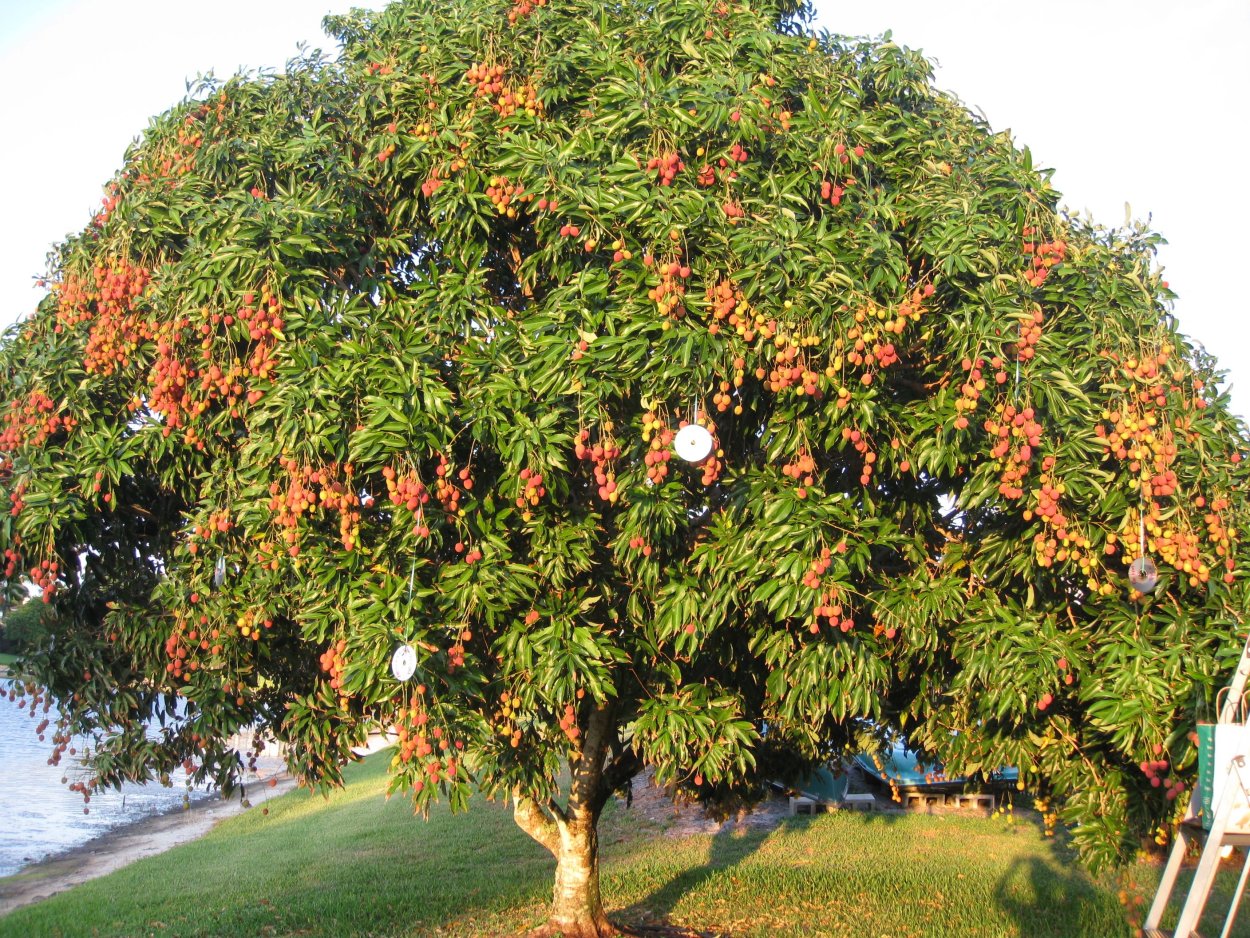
pixel 1219 836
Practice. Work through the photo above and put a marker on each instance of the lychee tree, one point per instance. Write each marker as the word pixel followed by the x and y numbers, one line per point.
pixel 391 350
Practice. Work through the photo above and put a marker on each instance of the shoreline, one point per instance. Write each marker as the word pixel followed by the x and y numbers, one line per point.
pixel 134 840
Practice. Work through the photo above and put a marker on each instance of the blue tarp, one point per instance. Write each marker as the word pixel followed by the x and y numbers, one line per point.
pixel 824 785
pixel 901 766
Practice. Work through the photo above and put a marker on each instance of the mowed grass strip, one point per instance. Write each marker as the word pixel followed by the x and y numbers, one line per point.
pixel 357 864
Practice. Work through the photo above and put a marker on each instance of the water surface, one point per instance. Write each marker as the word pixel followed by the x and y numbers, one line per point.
pixel 41 816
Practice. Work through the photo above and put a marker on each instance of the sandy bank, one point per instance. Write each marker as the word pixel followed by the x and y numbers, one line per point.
pixel 123 845
pixel 149 836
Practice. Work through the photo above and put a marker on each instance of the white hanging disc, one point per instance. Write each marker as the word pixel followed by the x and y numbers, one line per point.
pixel 693 443
pixel 404 662
pixel 1143 574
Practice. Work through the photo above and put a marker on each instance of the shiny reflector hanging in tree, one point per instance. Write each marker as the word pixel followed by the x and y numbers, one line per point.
pixel 693 442
pixel 404 662
pixel 1143 574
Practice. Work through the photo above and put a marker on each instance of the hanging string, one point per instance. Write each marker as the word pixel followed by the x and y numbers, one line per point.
pixel 416 645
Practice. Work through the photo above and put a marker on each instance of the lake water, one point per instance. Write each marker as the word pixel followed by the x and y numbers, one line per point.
pixel 40 815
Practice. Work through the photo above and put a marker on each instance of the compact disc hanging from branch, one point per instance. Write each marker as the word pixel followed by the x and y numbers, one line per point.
pixel 404 659
pixel 1142 572
pixel 693 442
pixel 404 663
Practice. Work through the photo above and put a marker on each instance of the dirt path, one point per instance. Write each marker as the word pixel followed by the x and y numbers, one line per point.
pixel 684 820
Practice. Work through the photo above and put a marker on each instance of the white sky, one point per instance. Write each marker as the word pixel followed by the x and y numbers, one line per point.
pixel 1145 102
pixel 1137 101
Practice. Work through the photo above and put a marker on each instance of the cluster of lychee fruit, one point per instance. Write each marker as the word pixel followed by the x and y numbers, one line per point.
pixel 969 392
pixel 523 8
pixel 506 196
pixel 445 489
pixel 669 293
pixel 44 575
pixel 333 662
pixel 666 166
pixel 490 85
pixel 658 436
pixel 1155 771
pixel 831 192
pixel 32 420
pixel 859 441
pixel 600 455
pixel 1017 434
pixel 1030 333
pixel 1044 255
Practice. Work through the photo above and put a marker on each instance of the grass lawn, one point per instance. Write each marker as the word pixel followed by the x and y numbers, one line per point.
pixel 359 865
pixel 7 660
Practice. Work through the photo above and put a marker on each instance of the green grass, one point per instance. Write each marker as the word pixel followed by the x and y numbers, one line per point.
pixel 356 864
pixel 7 660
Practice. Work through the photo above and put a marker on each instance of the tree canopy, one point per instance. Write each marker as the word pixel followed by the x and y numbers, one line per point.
pixel 391 349
pixel 23 625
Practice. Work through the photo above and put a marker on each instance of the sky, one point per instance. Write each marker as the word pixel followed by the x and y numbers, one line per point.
pixel 1137 102
pixel 1130 101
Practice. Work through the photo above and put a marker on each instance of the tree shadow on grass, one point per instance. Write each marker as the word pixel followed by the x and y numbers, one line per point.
pixel 730 845
pixel 1055 898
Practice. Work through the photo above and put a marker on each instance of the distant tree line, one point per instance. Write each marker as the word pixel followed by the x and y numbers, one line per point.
pixel 23 625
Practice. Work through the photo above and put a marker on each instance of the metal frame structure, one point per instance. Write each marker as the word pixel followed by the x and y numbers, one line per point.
pixel 1224 832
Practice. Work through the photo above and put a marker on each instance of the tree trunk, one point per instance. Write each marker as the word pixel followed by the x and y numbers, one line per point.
pixel 576 909
pixel 572 837
pixel 571 833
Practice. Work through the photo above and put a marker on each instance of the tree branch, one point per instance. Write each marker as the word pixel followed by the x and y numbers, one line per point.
pixel 619 771
pixel 530 817
pixel 585 790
